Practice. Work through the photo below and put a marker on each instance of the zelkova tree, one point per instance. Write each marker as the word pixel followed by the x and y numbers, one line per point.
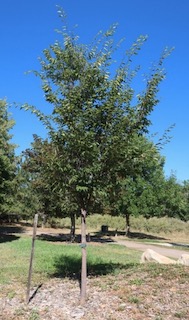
pixel 7 162
pixel 95 115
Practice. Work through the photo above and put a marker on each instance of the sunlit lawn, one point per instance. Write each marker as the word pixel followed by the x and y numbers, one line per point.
pixel 60 259
pixel 112 268
pixel 63 260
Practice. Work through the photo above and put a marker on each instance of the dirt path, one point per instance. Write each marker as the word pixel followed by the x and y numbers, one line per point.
pixel 161 248
pixel 169 252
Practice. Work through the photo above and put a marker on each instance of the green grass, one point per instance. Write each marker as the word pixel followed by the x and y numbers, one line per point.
pixel 112 268
pixel 60 260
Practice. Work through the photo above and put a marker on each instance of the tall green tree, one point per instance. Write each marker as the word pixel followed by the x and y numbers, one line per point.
pixel 7 162
pixel 95 115
pixel 139 192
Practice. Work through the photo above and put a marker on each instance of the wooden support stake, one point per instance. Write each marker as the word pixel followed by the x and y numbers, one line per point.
pixel 84 258
pixel 31 258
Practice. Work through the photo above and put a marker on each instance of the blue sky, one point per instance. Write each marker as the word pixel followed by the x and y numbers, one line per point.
pixel 28 27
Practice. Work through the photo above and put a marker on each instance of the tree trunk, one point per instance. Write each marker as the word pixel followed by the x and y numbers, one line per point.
pixel 127 230
pixel 44 220
pixel 72 231
pixel 84 257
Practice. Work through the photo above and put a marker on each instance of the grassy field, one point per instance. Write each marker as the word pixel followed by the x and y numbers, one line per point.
pixel 63 260
pixel 60 260
pixel 116 278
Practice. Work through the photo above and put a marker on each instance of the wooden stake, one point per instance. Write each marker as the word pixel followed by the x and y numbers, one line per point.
pixel 84 258
pixel 31 258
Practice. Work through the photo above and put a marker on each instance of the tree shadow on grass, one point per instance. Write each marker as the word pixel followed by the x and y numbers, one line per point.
pixel 8 237
pixel 77 239
pixel 59 237
pixel 130 235
pixel 9 233
pixel 70 267
pixel 98 237
pixel 141 235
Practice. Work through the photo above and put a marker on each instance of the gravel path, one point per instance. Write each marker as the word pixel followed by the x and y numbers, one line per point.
pixel 168 252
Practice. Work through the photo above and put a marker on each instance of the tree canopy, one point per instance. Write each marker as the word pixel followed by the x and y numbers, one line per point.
pixel 96 118
pixel 95 115
pixel 7 162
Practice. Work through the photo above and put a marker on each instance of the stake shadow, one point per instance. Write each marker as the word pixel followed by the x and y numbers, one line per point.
pixel 34 293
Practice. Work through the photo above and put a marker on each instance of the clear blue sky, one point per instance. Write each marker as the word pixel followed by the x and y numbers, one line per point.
pixel 28 26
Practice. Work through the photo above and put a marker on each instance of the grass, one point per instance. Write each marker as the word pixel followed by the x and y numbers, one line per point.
pixel 113 269
pixel 57 259
pixel 64 260
pixel 60 260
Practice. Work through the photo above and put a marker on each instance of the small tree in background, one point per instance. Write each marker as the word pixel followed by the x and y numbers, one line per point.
pixel 174 200
pixel 96 114
pixel 37 170
pixel 138 192
pixel 185 191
